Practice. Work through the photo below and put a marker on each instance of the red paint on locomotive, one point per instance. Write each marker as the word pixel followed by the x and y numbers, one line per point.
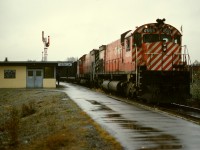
pixel 81 63
pixel 148 59
pixel 117 59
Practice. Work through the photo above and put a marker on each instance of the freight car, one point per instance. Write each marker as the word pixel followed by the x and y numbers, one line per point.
pixel 148 62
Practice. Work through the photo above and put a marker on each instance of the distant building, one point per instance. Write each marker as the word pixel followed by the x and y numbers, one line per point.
pixel 28 74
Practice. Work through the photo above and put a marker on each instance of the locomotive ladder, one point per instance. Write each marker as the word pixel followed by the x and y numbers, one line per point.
pixel 141 70
pixel 138 71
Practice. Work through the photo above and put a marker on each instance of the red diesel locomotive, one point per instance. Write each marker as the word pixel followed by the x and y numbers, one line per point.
pixel 148 62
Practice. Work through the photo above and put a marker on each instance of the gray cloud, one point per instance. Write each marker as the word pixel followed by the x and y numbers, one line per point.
pixel 78 26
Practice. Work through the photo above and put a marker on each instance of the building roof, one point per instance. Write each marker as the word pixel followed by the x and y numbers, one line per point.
pixel 30 63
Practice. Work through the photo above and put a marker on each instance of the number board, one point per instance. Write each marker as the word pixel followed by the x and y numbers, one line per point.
pixel 64 64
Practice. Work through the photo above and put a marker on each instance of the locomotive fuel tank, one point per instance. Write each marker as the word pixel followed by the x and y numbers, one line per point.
pixel 113 86
pixel 105 84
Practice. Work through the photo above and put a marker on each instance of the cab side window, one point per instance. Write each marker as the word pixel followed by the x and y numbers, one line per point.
pixel 137 39
pixel 177 39
pixel 127 44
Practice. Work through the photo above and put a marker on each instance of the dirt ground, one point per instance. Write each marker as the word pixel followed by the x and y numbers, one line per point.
pixel 47 119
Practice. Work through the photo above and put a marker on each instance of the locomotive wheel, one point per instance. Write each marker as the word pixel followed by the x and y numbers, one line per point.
pixel 151 94
pixel 130 90
pixel 155 93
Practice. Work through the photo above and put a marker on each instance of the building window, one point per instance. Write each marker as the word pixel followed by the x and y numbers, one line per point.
pixel 49 72
pixel 38 73
pixel 177 39
pixel 9 74
pixel 30 73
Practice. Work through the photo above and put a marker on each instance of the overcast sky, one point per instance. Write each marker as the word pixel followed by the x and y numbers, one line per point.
pixel 78 26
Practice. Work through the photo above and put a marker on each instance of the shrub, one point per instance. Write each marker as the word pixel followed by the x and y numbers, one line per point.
pixel 196 91
pixel 195 88
pixel 28 109
pixel 59 140
pixel 12 126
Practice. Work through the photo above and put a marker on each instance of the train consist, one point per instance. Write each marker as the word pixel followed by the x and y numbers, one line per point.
pixel 148 62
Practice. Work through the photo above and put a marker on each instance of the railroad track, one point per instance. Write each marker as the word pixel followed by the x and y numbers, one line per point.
pixel 184 111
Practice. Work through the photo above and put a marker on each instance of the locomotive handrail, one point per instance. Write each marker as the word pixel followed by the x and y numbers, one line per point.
pixel 152 53
pixel 136 68
pixel 187 53
pixel 184 58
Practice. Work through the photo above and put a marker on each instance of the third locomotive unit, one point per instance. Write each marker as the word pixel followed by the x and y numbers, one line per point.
pixel 148 62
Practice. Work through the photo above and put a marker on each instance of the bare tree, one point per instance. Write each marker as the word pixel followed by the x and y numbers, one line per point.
pixel 196 63
pixel 71 59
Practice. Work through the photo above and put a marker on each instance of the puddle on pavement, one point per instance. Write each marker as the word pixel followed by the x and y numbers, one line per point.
pixel 148 134
pixel 166 147
pixel 94 102
pixel 161 137
pixel 151 138
pixel 112 115
pixel 100 107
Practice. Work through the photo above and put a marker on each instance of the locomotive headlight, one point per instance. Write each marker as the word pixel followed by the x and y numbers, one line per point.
pixel 164 46
pixel 164 49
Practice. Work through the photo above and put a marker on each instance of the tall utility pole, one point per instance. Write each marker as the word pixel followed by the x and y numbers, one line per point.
pixel 46 45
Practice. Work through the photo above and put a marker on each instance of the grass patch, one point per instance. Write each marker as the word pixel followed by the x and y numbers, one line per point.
pixel 42 120
pixel 28 109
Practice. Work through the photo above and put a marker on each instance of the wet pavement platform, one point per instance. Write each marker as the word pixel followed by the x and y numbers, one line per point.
pixel 133 126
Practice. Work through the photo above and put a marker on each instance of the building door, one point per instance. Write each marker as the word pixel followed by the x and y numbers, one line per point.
pixel 34 78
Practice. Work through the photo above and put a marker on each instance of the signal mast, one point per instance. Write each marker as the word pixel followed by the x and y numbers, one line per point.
pixel 46 45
